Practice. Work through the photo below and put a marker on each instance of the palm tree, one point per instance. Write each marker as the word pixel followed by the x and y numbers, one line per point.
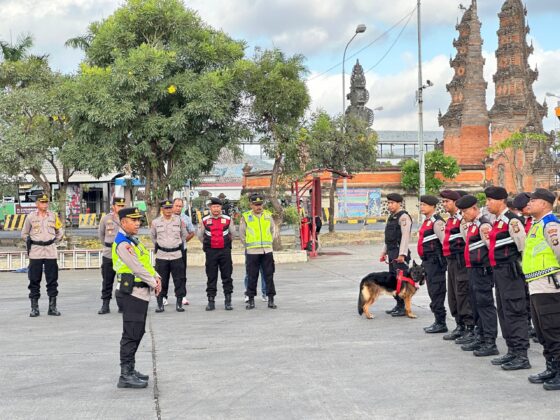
pixel 18 51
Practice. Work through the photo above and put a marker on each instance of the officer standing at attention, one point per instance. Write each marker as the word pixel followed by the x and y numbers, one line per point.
pixel 256 231
pixel 137 278
pixel 430 238
pixel 541 265
pixel 178 210
pixel 168 233
pixel 108 228
pixel 506 241
pixel 480 277
pixel 41 231
pixel 397 238
pixel 458 294
pixel 216 234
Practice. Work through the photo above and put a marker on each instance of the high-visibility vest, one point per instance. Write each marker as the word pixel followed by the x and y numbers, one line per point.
pixel 142 254
pixel 258 234
pixel 539 259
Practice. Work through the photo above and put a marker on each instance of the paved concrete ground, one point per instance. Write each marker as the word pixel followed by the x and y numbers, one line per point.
pixel 312 358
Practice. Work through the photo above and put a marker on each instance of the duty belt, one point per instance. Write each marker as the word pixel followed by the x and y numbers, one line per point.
pixel 140 284
pixel 108 244
pixel 43 243
pixel 177 248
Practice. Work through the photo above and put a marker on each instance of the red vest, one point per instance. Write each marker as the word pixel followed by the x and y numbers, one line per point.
pixel 216 232
pixel 453 242
pixel 428 242
pixel 528 224
pixel 502 248
pixel 476 252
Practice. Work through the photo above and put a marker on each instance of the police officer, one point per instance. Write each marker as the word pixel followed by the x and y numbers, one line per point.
pixel 541 265
pixel 108 228
pixel 506 241
pixel 480 277
pixel 458 294
pixel 178 210
pixel 137 278
pixel 397 238
pixel 168 234
pixel 216 234
pixel 256 231
pixel 41 231
pixel 430 238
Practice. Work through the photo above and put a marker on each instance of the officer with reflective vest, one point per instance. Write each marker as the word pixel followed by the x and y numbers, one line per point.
pixel 397 238
pixel 256 231
pixel 215 231
pixel 541 266
pixel 430 238
pixel 506 241
pixel 137 279
pixel 480 277
pixel 458 294
pixel 41 231
pixel 168 233
pixel 108 228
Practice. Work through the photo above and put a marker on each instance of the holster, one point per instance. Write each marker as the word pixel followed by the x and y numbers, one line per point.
pixel 28 244
pixel 554 280
pixel 126 283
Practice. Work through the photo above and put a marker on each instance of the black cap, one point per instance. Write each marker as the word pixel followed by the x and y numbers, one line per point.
pixel 119 201
pixel 521 200
pixel 429 200
pixel 466 202
pixel 496 193
pixel 43 198
pixel 544 194
pixel 130 212
pixel 450 195
pixel 256 198
pixel 215 200
pixel 397 198
pixel 462 193
pixel 166 204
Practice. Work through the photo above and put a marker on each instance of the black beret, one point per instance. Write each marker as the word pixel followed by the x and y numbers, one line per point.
pixel 118 201
pixel 450 195
pixel 466 202
pixel 544 194
pixel 429 200
pixel 509 203
pixel 395 197
pixel 521 200
pixel 166 204
pixel 256 198
pixel 462 193
pixel 496 193
pixel 215 200
pixel 43 198
pixel 130 212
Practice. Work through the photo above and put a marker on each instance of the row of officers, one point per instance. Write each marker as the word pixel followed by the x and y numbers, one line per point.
pixel 515 251
pixel 126 259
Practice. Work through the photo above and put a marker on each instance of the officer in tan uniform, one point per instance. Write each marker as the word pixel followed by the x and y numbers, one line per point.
pixel 108 228
pixel 42 230
pixel 168 235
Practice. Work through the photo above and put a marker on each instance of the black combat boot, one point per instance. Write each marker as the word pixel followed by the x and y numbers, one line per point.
pixel 179 305
pixel 476 344
pixel 34 308
pixel 211 304
pixel 437 327
pixel 467 337
pixel 431 326
pixel 52 307
pixel 139 375
pixel 250 303
pixel 506 358
pixel 456 333
pixel 227 302
pixel 488 348
pixel 541 378
pixel 129 380
pixel 160 307
pixel 553 384
pixel 393 309
pixel 521 361
pixel 271 304
pixel 104 307
pixel 399 310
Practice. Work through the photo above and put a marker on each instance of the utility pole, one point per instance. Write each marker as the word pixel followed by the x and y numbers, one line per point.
pixel 421 163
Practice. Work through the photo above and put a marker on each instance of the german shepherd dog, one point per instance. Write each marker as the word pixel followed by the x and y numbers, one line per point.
pixel 375 284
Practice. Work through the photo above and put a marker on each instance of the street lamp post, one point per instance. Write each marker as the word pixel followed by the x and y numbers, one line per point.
pixel 361 28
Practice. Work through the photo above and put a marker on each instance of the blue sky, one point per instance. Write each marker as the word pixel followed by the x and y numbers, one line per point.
pixel 319 29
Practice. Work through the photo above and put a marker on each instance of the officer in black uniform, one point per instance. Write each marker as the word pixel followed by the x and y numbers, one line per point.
pixel 397 238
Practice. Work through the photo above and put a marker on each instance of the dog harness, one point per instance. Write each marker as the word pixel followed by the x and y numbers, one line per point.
pixel 400 278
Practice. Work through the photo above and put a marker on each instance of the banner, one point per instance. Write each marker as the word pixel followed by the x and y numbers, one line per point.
pixel 360 202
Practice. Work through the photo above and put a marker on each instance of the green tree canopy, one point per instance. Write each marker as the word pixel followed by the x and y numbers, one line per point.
pixel 436 161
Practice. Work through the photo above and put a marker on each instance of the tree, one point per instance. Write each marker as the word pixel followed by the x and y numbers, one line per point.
pixel 277 98
pixel 158 91
pixel 436 161
pixel 342 143
pixel 18 51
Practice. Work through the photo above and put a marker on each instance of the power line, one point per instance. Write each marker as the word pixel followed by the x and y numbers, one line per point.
pixel 409 15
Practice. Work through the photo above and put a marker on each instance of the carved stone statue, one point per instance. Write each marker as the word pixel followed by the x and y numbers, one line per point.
pixel 359 96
